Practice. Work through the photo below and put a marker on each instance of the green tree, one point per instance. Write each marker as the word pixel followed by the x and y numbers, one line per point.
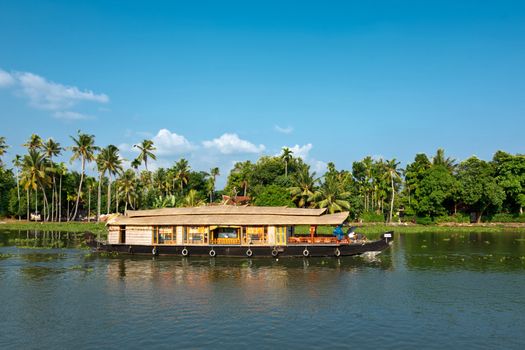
pixel 434 190
pixel 440 159
pixel 304 186
pixel 84 149
pixel 34 175
pixel 146 148
pixel 273 195
pixel 193 199
pixel 34 143
pixel 479 189
pixel 127 188
pixel 510 175
pixel 182 173
pixel 332 194
pixel 108 161
pixel 3 148
pixel 52 149
pixel 286 156
pixel 392 173
pixel 17 163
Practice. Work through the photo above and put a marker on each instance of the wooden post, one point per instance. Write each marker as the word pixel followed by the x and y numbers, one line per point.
pixel 312 232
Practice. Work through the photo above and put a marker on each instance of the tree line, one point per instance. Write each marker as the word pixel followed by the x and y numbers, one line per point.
pixel 430 188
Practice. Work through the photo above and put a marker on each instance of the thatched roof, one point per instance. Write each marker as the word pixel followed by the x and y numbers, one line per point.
pixel 228 215
pixel 226 210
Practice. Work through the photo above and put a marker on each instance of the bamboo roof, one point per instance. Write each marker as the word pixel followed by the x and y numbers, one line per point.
pixel 229 215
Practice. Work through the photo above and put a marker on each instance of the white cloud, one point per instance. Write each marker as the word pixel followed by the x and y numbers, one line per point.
pixel 50 96
pixel 70 115
pixel 287 130
pixel 232 144
pixel 5 78
pixel 168 143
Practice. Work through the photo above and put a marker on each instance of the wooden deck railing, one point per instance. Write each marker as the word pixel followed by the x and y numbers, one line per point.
pixel 226 241
pixel 315 240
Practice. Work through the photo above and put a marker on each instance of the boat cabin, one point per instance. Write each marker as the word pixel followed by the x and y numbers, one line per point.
pixel 220 225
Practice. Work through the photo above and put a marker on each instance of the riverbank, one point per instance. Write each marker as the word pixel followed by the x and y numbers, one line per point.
pixel 372 229
pixel 375 229
pixel 73 227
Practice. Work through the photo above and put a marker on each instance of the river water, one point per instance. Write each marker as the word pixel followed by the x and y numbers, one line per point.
pixel 429 291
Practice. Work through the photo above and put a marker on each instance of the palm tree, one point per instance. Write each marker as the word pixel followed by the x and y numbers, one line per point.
pixel 440 159
pixel 52 149
pixel 34 142
pixel 214 172
pixel 392 173
pixel 182 173
pixel 3 147
pixel 332 196
pixel 128 184
pixel 286 156
pixel 34 175
pixel 303 186
pixel 108 160
pixel 84 148
pixel 17 162
pixel 135 164
pixel 61 170
pixel 146 151
pixel 192 199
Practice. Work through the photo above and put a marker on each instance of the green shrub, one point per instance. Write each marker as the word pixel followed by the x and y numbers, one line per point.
pixel 425 220
pixel 503 217
pixel 372 217
pixel 458 218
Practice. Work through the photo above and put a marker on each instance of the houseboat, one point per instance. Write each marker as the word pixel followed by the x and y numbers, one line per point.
pixel 234 231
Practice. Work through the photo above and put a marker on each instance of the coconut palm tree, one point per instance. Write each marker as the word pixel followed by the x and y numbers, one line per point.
pixel 440 159
pixel 52 149
pixel 135 164
pixel 303 187
pixel 214 172
pixel 392 174
pixel 331 195
pixel 84 149
pixel 192 199
pixel 182 173
pixel 108 160
pixel 34 142
pixel 34 175
pixel 146 148
pixel 17 163
pixel 3 147
pixel 127 188
pixel 61 170
pixel 286 156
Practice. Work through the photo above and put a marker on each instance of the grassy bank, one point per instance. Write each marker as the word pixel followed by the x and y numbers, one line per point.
pixel 374 230
pixel 74 227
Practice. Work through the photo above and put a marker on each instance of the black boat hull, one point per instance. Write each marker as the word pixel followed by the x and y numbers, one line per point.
pixel 253 251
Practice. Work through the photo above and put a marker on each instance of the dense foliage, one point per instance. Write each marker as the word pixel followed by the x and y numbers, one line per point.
pixel 434 189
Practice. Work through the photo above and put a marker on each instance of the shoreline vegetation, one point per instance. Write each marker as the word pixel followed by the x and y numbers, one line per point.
pixel 373 229
pixel 434 191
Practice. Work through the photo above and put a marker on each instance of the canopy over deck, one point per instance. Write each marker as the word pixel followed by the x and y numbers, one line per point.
pixel 228 215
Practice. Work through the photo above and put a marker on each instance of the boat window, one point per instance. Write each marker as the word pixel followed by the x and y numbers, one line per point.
pixel 196 235
pixel 256 234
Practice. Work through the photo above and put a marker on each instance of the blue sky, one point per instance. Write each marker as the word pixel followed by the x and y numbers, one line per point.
pixel 222 81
